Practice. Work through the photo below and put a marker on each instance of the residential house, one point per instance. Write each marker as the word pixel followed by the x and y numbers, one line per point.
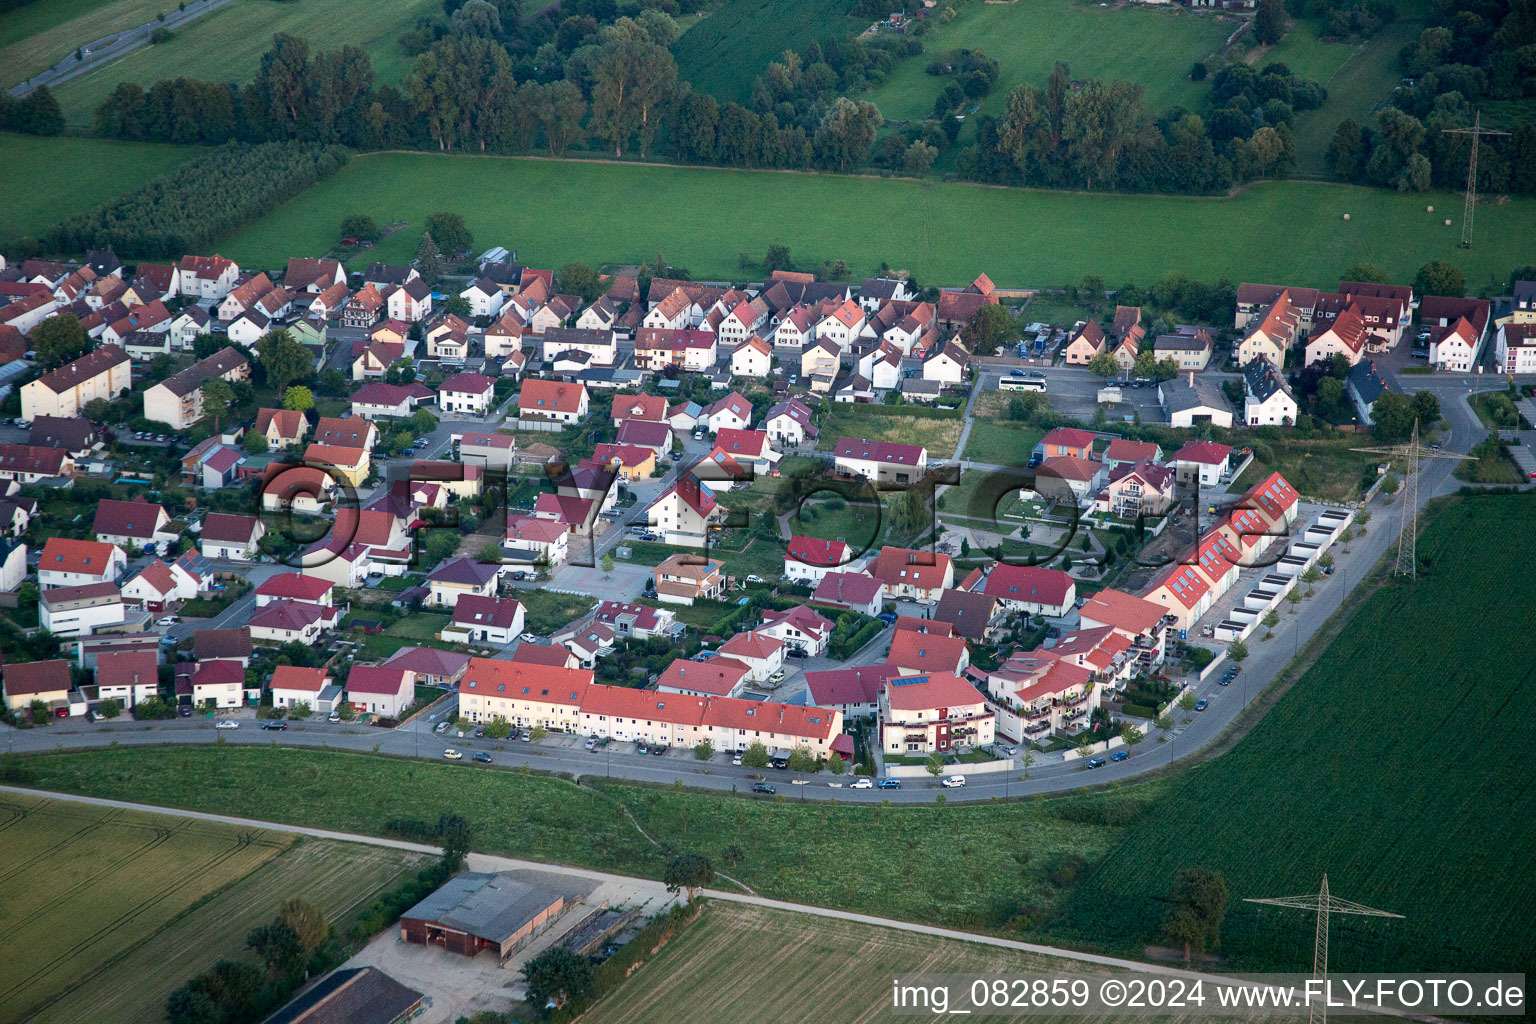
pixel 790 423
pixel 1031 589
pixel 935 713
pixel 1268 399
pixel 733 412
pixel 296 586
pixel 880 461
pixel 1040 696
pixel 495 452
pixel 346 432
pixel 466 393
pixel 207 277
pixel 127 676
pixel 223 645
pixel 132 524
pixel 717 677
pixel 808 559
pixel 1068 477
pixel 551 402
pixel 652 408
pixel 381 690
pixel 800 629
pixel 1514 348
pixel 653 436
pixel 1122 451
pixel 600 347
pixel 295 684
pixel 684 512
pixel 949 365
pixel 283 428
pixel 1142 489
pixel 1190 348
pixel 411 301
pixel 26 681
pixel 1205 463
pixel 160 587
pixel 761 653
pixel 916 575
pixel 1139 621
pixel 490 620
pixel 526 695
pixel 684 579
pixel 974 616
pixel 1088 340
pixel 854 591
pixel 1067 441
pixel 1344 336
pixel 752 358
pixel 485 298
pixel 377 400
pixel 178 400
pixel 956 308
pixel 329 304
pixel 75 563
pixel 531 539
pixel 432 667
pixel 881 365
pixel 349 466
pixel 29 464
pixel 820 359
pixel 102 373
pixel 854 692
pixel 738 455
pixel 81 610
pixel 1456 347
pixel 877 291
pixel 635 620
pixel 364 308
pixel 929 647
pixel 632 462
pixel 728 723
pixel 283 622
pixel 231 536
pixel 1364 385
pixel 841 325
pixel 218 684
pixel 460 577
pixel 371 359
pixel 448 346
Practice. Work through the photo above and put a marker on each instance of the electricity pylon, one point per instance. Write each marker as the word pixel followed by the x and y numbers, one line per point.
pixel 1408 524
pixel 1324 904
pixel 1477 131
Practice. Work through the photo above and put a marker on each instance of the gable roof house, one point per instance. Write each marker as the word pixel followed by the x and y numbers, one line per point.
pixel 376 400
pixel 880 461
pixel 460 577
pixel 28 464
pixel 1194 400
pixel 800 628
pixel 547 404
pixel 74 563
pixel 1364 385
pixel 1087 341
pixel 178 400
pixel 855 591
pixel 132 523
pixel 281 427
pixel 363 308
pixel 808 559
pixel 1031 589
pixel 1268 398
pixel 684 512
pixel 491 620
pixel 207 277
pixel 103 373
pixel 684 579
pixel 919 575
pixel 948 365
pixel 956 308
pixel 790 423
pixel 1344 335
pixel 1190 348
pixel 231 536
pixel 731 412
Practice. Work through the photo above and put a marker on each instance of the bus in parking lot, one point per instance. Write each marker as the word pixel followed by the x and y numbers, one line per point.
pixel 1021 384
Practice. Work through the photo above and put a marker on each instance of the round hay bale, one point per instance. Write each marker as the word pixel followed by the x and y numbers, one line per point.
pixel 1447 222
pixel 1430 209
pixel 1346 216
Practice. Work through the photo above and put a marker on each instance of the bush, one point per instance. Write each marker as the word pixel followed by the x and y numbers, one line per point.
pixel 161 35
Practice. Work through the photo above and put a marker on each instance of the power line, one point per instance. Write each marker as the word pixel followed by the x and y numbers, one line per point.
pixel 1408 524
pixel 1477 131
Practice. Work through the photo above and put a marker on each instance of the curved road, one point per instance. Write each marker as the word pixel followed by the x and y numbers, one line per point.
pixel 1050 774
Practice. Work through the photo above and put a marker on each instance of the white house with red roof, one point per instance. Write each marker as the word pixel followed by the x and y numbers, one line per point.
pixel 762 653
pixel 639 407
pixel 1143 489
pixel 808 559
pixel 753 358
pixel 637 620
pixel 295 586
pixel 841 325
pixel 294 684
pixel 542 403
pixel 918 575
pixel 570 511
pixel 219 683
pixel 880 461
pixel 853 691
pixel 282 622
pixel 923 651
pixel 1031 589
pixel 381 689
pixel 652 435
pixel 530 538
pixel 490 620
pixel 378 400
pixel 73 563
pixel 934 713
pixel 1123 451
pixel 468 393
pixel 790 423
pixel 159 587
pixel 207 277
pixel 801 628
pixel 732 412
pixel 231 536
pixel 127 676
pixel 715 677
pixel 1204 462
pixel 684 512
pixel 133 523
pixel 1040 695
pixel 728 723
pixel 854 591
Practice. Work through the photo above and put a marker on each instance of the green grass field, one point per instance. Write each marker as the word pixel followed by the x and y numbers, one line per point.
pixel 785 966
pixel 1002 443
pixel 226 45
pixel 39 35
pixel 624 213
pixel 730 46
pixel 83 884
pixel 1390 766
pixel 1326 470
pixel 876 422
pixel 80 174
pixel 1154 48
pixel 339 878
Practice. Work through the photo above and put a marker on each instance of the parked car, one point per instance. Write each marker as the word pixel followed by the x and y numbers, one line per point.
pixel 422 442
pixel 1009 750
pixel 1202 704
pixel 753 577
pixel 777 677
pixel 1119 755
pixel 1015 372
pixel 482 757
pixel 736 760
pixel 642 747
pixel 887 618
pixel 954 782
pixel 659 750
pixel 864 783
pixel 335 716
pixel 764 788
pixel 185 711
pixel 228 724
pixel 441 726
pixel 1036 374
pixel 526 735
pixel 591 742
pixel 274 726
pixel 453 755
pixel 1096 762
pixel 889 783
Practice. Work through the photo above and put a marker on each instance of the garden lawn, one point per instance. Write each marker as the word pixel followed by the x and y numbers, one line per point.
pixel 226 45
pixel 66 176
pixel 733 44
pixel 1001 442
pixel 36 37
pixel 339 878
pixel 943 233
pixel 546 610
pixel 1154 48
pixel 1377 768
pixel 417 629
pixel 86 883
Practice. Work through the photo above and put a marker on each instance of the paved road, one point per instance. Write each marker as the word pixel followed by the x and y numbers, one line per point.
pixel 98 53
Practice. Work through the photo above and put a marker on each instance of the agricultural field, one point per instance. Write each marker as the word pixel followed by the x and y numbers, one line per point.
pixel 599 213
pixel 36 37
pixel 788 966
pixel 732 44
pixel 1153 48
pixel 878 423
pixel 82 174
pixel 339 878
pixel 226 45
pixel 1380 768
pixel 83 884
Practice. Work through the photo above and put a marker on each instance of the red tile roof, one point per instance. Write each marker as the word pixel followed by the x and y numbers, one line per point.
pixel 751 644
pixel 931 691
pixel 474 610
pixel 295 586
pixel 1029 583
pixel 846 588
pixel 1207 453
pixel 511 680
pixel 29 678
pixel 550 396
pixel 926 652
pixel 1069 437
pixel 858 685
pixel 297 677
pixel 222 527
pixel 61 554
pixel 380 679
pixel 127 668
pixel 136 518
pixel 716 677
pixel 879 451
pixel 923 569
pixel 815 551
